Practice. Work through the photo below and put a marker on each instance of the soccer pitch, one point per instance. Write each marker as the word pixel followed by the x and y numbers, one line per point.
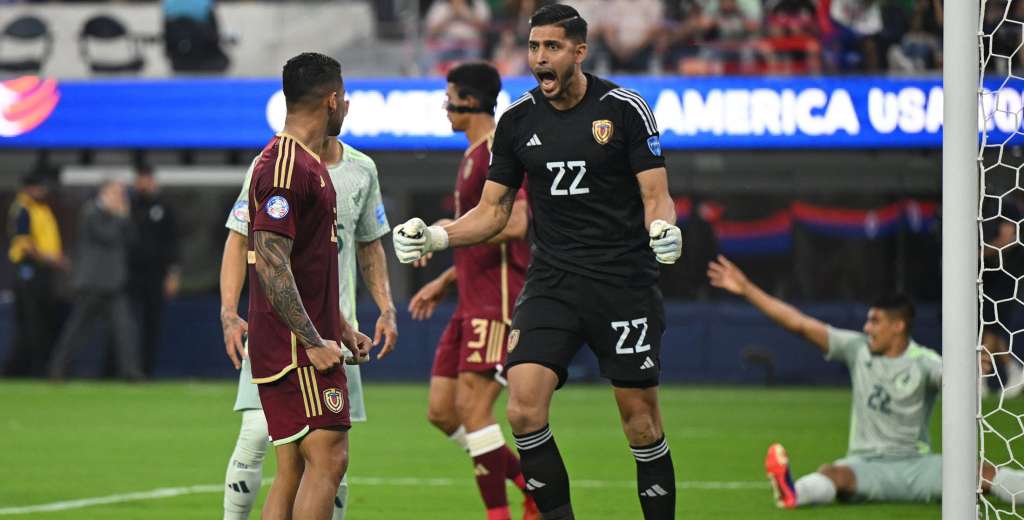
pixel 77 441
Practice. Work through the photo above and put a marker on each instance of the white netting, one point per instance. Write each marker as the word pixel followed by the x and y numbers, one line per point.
pixel 1001 333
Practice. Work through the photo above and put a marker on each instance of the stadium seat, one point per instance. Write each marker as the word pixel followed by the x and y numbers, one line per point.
pixel 194 45
pixel 107 47
pixel 25 45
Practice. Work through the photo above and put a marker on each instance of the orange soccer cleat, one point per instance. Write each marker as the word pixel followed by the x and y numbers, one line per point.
pixel 776 464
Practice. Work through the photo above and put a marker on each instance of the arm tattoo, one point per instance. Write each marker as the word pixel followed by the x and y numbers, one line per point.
pixel 507 200
pixel 374 269
pixel 273 265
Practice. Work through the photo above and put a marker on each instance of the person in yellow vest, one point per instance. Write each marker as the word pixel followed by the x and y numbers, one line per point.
pixel 36 253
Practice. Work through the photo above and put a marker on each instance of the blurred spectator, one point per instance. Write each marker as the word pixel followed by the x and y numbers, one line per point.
pixel 856 26
pixel 456 31
pixel 1005 37
pixel 732 34
pixel 99 280
pixel 37 255
pixel 752 9
pixel 153 272
pixel 627 29
pixel 920 49
pixel 682 40
pixel 192 38
pixel 792 37
pixel 512 31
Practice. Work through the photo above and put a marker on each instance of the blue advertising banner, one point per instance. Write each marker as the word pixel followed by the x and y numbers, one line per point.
pixel 407 114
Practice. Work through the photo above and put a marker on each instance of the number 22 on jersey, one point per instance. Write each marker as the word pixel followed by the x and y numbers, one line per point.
pixel 560 168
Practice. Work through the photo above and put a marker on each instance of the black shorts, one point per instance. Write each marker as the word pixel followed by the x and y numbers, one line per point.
pixel 558 311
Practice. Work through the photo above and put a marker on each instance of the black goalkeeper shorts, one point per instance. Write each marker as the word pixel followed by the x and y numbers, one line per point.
pixel 558 311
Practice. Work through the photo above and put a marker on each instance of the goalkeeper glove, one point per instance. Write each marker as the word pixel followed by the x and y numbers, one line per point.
pixel 414 239
pixel 666 241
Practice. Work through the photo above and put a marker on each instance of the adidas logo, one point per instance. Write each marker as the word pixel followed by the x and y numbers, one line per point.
pixel 481 471
pixel 239 487
pixel 647 363
pixel 534 141
pixel 534 484
pixel 654 492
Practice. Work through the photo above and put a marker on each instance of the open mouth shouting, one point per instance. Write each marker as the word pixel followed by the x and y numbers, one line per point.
pixel 548 81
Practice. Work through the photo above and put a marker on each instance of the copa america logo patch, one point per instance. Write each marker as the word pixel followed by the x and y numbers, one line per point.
pixel 513 339
pixel 277 207
pixel 334 400
pixel 655 145
pixel 241 211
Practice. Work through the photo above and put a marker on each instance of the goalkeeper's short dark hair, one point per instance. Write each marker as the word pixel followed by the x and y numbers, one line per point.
pixel 310 76
pixel 899 305
pixel 563 16
pixel 479 80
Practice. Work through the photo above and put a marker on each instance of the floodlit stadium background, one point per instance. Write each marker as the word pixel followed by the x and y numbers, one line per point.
pixel 808 154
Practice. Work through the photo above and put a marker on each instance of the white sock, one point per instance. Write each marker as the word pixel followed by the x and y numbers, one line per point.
pixel 814 488
pixel 459 437
pixel 1008 485
pixel 341 499
pixel 245 469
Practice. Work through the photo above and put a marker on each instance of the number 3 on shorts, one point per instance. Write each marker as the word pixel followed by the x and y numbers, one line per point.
pixel 624 327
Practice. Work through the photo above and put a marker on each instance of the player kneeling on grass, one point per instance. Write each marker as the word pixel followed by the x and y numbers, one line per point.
pixel 895 385
pixel 602 221
pixel 464 379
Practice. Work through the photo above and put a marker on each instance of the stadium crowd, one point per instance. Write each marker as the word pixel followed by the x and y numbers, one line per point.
pixel 707 36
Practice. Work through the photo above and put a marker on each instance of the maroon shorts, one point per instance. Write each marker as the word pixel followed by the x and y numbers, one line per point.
pixel 304 400
pixel 470 345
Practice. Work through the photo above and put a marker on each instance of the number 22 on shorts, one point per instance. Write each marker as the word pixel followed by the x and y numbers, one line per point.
pixel 624 327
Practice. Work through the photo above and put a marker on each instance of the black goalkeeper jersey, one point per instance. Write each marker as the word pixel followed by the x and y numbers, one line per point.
pixel 587 213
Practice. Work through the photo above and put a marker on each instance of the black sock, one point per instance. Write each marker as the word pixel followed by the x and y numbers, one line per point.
pixel 545 475
pixel 656 480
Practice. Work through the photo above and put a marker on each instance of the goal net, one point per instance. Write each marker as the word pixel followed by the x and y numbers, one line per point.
pixel 1001 262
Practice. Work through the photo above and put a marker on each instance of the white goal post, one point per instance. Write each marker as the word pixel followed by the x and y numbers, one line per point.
pixel 960 299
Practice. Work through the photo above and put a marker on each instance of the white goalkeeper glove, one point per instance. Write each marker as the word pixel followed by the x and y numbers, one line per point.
pixel 666 241
pixel 414 239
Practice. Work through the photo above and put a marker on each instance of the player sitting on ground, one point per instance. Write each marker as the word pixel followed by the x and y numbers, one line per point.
pixel 602 220
pixel 361 223
pixel 895 385
pixel 463 385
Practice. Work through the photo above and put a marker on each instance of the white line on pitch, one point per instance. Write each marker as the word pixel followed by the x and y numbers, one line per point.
pixel 356 481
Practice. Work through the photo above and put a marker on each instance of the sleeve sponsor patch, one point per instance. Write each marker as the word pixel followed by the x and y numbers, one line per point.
pixel 655 145
pixel 241 211
pixel 277 207
pixel 382 218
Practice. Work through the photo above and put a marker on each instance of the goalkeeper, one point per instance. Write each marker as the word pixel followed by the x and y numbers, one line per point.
pixel 895 385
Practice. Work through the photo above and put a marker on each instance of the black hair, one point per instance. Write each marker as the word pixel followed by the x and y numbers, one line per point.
pixel 562 16
pixel 898 305
pixel 479 80
pixel 142 169
pixel 310 76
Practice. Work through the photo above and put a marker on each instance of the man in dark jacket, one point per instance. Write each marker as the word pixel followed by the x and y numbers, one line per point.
pixel 153 273
pixel 99 276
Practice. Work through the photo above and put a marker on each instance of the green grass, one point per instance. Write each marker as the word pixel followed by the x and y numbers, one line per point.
pixel 84 440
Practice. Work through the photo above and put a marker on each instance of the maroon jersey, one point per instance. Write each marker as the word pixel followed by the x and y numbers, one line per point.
pixel 489 276
pixel 291 194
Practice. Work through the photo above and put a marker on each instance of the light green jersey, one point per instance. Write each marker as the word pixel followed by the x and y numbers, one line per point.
pixel 893 398
pixel 361 217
